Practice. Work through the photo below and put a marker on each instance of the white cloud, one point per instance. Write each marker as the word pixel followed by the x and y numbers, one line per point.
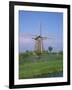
pixel 24 39
pixel 25 43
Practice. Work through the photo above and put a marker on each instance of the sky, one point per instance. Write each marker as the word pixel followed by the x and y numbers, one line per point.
pixel 51 27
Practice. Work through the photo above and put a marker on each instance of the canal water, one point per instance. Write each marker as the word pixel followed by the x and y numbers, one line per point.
pixel 58 74
pixel 50 75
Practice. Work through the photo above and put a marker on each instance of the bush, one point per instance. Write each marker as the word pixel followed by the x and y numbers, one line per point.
pixel 61 52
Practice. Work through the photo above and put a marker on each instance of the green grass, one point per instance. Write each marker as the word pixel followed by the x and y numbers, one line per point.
pixel 32 67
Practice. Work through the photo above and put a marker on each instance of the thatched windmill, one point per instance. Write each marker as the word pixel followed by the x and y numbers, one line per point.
pixel 39 48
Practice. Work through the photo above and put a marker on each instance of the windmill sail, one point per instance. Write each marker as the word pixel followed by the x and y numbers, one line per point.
pixel 40 30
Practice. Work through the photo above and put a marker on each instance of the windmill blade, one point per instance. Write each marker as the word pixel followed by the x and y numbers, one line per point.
pixel 46 38
pixel 33 38
pixel 40 30
pixel 27 35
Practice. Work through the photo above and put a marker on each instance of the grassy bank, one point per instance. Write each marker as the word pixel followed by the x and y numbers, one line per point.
pixel 30 66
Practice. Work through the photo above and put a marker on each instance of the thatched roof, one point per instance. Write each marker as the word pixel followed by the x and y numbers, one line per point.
pixel 38 37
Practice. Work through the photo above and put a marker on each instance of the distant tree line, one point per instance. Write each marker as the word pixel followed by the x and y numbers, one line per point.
pixel 49 51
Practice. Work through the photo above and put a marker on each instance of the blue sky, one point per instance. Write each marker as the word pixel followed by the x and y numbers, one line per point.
pixel 51 27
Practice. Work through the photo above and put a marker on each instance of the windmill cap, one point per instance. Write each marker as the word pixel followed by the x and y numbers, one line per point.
pixel 38 37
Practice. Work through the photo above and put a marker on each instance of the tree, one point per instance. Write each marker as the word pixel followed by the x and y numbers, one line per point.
pixel 61 52
pixel 50 49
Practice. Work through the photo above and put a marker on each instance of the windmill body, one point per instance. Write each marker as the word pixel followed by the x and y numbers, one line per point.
pixel 39 44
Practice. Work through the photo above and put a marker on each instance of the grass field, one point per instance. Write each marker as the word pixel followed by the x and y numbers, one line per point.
pixel 48 65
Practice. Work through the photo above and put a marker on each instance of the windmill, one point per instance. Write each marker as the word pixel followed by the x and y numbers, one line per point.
pixel 39 45
pixel 39 48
